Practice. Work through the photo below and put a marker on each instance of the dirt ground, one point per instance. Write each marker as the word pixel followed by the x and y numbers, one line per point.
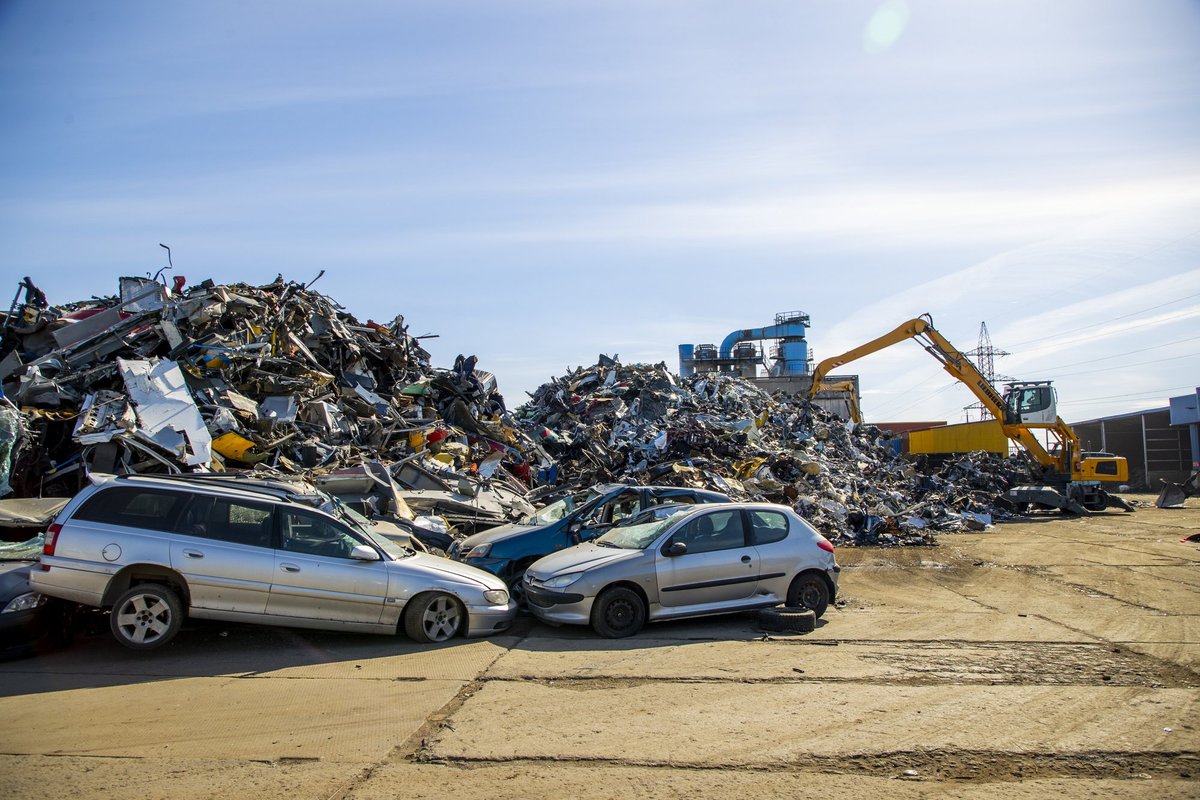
pixel 1053 657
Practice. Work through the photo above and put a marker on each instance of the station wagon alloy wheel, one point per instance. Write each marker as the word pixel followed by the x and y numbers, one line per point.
pixel 145 617
pixel 433 618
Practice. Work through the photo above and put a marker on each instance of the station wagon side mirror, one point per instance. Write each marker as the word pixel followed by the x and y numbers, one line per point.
pixel 363 553
pixel 677 549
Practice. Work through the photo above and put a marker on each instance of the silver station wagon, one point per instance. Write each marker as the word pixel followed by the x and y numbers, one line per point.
pixel 157 549
pixel 699 560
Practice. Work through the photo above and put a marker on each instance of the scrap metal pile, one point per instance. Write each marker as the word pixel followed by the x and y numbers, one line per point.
pixel 281 379
pixel 642 423
pixel 275 377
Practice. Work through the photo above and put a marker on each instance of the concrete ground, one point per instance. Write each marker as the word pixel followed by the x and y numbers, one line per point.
pixel 1054 657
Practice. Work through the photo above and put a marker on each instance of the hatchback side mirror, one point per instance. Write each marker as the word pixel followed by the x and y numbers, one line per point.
pixel 677 549
pixel 363 553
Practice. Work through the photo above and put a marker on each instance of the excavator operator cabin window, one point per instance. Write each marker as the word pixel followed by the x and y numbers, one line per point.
pixel 1036 399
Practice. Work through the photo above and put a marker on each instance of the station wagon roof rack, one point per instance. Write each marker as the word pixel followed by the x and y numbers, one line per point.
pixel 272 487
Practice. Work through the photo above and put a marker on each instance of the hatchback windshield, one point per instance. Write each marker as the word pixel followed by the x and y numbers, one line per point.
pixel 638 537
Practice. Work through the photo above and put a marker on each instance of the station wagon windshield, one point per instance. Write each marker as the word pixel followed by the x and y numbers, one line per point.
pixel 363 525
pixel 638 537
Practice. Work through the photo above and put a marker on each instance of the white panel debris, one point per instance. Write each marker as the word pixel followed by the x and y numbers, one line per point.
pixel 166 412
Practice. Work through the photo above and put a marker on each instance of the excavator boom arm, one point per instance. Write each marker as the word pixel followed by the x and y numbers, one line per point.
pixel 909 330
pixel 959 366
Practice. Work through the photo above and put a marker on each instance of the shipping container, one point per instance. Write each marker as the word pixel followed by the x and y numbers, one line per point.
pixel 965 438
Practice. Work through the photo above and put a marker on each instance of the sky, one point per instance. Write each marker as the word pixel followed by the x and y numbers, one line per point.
pixel 540 182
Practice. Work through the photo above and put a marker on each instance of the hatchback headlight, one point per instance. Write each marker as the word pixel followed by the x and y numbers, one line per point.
pixel 496 597
pixel 562 581
pixel 480 550
pixel 25 602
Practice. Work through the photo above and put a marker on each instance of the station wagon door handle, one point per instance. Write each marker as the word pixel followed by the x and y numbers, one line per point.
pixel 289 567
pixel 745 559
pixel 193 554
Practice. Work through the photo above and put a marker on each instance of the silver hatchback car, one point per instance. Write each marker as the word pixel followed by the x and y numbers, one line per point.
pixel 697 561
pixel 154 549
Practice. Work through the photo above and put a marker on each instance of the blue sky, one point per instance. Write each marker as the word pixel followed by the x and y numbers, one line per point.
pixel 539 182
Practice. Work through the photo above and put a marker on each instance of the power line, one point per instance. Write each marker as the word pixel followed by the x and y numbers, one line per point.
pixel 1052 340
pixel 1123 265
pixel 1152 393
pixel 1116 355
pixel 1123 366
pixel 1108 320
pixel 884 408
pixel 922 399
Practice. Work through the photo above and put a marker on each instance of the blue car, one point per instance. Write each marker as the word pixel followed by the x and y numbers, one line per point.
pixel 506 551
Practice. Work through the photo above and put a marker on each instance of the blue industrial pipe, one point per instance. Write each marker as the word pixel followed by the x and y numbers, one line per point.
pixel 785 331
pixel 793 350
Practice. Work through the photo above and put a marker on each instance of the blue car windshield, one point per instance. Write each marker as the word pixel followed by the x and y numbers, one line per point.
pixel 639 537
pixel 557 510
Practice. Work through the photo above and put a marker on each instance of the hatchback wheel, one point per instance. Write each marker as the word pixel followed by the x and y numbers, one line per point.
pixel 618 612
pixel 809 590
pixel 147 616
pixel 434 618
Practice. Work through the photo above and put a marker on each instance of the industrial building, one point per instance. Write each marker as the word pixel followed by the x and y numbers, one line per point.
pixel 1159 443
pixel 786 362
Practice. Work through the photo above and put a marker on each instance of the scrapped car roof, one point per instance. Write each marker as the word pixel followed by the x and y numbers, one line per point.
pixel 246 488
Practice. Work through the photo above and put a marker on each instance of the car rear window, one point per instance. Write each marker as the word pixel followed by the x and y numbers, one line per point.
pixel 768 526
pixel 133 507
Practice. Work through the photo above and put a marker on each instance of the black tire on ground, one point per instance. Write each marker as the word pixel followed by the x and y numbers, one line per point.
pixel 802 620
pixel 146 617
pixel 516 589
pixel 434 617
pixel 618 612
pixel 809 590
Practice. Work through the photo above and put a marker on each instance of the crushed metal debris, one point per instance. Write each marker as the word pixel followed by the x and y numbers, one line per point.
pixel 282 381
pixel 643 424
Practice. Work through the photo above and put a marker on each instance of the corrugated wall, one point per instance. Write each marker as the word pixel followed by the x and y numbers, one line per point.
pixel 1155 450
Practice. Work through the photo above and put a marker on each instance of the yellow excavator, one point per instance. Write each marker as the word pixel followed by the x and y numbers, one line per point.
pixel 1065 477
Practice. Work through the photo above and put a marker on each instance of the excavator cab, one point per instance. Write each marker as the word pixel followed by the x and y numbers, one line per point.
pixel 1031 403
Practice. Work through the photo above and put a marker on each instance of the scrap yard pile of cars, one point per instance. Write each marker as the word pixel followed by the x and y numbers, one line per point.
pixel 219 443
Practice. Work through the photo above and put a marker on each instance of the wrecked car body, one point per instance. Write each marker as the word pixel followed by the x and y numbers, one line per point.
pixel 507 550
pixel 157 549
